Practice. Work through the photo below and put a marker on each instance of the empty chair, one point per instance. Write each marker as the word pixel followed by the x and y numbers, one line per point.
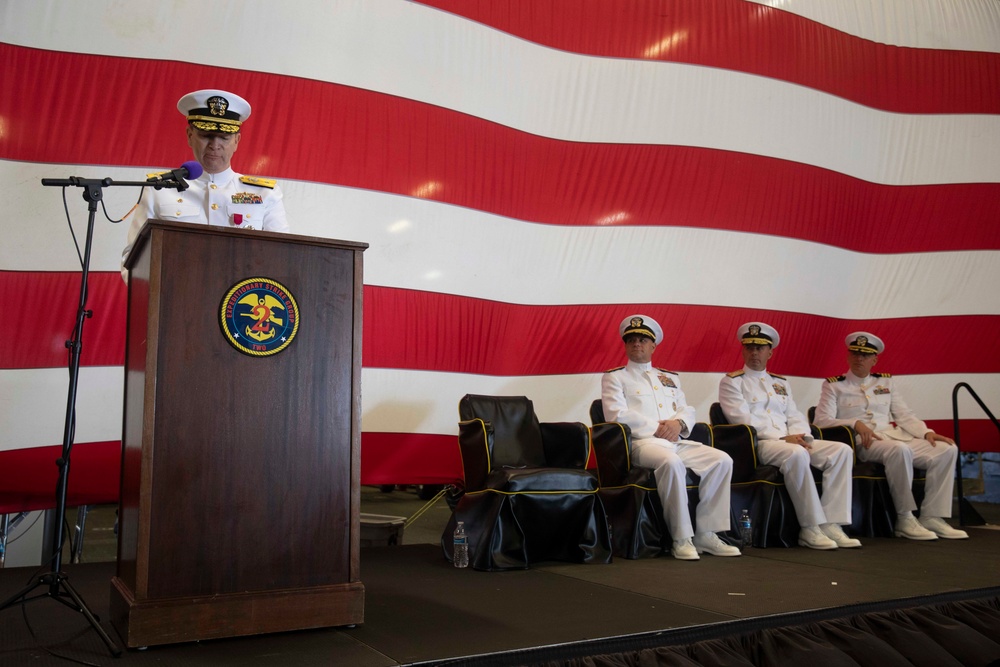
pixel 528 496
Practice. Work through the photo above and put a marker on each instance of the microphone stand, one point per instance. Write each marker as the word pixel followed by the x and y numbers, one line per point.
pixel 56 582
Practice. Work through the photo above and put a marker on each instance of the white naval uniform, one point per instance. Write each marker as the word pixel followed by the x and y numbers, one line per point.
pixel 212 199
pixel 874 401
pixel 765 402
pixel 641 396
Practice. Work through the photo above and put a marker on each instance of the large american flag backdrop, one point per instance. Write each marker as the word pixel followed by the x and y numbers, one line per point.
pixel 527 173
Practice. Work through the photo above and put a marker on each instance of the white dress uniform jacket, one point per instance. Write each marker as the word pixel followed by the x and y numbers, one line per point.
pixel 764 401
pixel 874 401
pixel 640 396
pixel 221 199
pixel 877 403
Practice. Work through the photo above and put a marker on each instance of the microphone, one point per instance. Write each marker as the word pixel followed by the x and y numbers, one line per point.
pixel 191 169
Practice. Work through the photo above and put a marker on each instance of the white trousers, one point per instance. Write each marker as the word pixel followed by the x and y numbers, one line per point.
pixel 899 459
pixel 836 461
pixel 669 461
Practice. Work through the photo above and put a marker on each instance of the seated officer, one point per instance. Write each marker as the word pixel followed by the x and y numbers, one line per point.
pixel 764 400
pixel 869 403
pixel 651 403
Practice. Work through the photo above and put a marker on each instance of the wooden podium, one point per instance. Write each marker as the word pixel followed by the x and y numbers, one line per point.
pixel 239 510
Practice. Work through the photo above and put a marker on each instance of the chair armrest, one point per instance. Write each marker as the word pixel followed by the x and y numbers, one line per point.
pixel 475 444
pixel 716 415
pixel 611 449
pixel 740 442
pixel 566 444
pixel 701 432
pixel 844 434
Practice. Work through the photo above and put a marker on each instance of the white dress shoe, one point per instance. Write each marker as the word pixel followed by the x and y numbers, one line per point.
pixel 942 529
pixel 837 534
pixel 910 528
pixel 710 543
pixel 813 537
pixel 684 550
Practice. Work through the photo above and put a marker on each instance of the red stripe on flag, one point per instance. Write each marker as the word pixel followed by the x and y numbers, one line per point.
pixel 410 458
pixel 976 435
pixel 449 333
pixel 465 335
pixel 28 476
pixel 39 338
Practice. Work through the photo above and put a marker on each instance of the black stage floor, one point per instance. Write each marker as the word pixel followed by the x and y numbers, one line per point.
pixel 421 609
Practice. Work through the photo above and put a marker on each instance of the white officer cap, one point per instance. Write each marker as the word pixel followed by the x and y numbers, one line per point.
pixel 757 333
pixel 643 325
pixel 214 110
pixel 862 341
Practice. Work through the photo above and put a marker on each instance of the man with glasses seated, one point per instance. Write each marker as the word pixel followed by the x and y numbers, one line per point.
pixel 650 402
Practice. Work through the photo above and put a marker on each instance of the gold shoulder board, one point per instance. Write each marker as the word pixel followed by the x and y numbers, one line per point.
pixel 837 378
pixel 664 370
pixel 736 374
pixel 257 180
pixel 779 377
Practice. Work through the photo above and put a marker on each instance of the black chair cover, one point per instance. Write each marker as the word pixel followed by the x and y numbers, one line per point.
pixel 528 496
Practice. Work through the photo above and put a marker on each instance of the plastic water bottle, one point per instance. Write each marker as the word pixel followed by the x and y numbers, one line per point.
pixel 461 557
pixel 746 530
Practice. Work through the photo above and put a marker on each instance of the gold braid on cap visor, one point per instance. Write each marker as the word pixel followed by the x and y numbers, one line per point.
pixel 756 341
pixel 643 332
pixel 210 124
pixel 862 348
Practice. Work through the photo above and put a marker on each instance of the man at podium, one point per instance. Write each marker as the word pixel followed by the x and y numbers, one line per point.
pixel 219 196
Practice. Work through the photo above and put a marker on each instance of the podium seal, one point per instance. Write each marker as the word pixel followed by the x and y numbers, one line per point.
pixel 259 317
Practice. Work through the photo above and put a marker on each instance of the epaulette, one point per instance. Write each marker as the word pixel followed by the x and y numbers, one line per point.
pixel 257 180
pixel 736 374
pixel 780 377
pixel 664 370
pixel 882 375
pixel 612 370
pixel 837 378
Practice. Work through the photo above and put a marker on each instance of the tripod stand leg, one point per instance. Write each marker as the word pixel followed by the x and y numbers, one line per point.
pixel 54 581
pixel 12 600
pixel 82 608
pixel 76 548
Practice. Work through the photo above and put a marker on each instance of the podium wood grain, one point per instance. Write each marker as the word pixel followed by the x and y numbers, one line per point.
pixel 240 474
